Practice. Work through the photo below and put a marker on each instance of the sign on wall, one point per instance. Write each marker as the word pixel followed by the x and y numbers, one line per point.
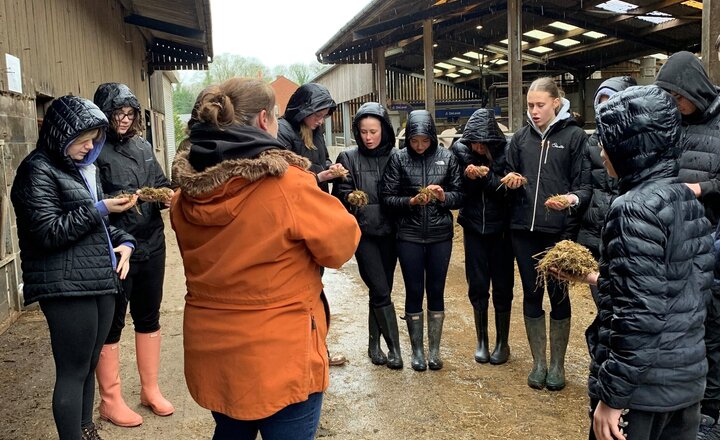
pixel 14 74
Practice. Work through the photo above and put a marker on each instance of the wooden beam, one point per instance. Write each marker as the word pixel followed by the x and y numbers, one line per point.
pixel 429 63
pixel 516 109
pixel 710 32
pixel 164 26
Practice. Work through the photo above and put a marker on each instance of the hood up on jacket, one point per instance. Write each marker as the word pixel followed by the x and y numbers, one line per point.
pixel 483 128
pixel 421 123
pixel 66 119
pixel 308 99
pixel 113 96
pixel 640 131
pixel 379 112
pixel 684 74
pixel 611 86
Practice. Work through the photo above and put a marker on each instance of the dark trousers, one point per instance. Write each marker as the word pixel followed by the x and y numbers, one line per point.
pixel 489 259
pixel 298 421
pixel 681 424
pixel 78 327
pixel 526 244
pixel 711 401
pixel 424 266
pixel 143 290
pixel 376 259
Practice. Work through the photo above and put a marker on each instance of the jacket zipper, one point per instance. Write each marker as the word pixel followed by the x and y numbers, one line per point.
pixel 543 145
pixel 424 211
pixel 483 211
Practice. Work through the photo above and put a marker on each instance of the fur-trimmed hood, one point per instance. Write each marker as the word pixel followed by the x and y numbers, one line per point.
pixel 198 185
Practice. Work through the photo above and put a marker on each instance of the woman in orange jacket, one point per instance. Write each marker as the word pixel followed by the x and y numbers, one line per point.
pixel 247 219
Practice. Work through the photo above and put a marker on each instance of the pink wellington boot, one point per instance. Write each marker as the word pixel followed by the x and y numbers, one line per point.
pixel 112 405
pixel 147 347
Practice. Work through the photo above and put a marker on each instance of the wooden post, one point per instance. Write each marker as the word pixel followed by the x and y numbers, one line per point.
pixel 429 66
pixel 710 33
pixel 516 109
pixel 379 76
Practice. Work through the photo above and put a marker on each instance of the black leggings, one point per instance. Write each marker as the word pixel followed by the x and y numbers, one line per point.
pixel 143 289
pixel 78 327
pixel 526 244
pixel 376 259
pixel 489 258
pixel 424 266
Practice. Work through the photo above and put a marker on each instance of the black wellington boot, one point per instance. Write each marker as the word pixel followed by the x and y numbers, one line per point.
pixel 537 338
pixel 482 353
pixel 415 329
pixel 435 327
pixel 387 320
pixel 502 329
pixel 374 352
pixel 559 336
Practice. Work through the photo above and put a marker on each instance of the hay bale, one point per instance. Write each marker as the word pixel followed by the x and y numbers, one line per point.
pixel 568 257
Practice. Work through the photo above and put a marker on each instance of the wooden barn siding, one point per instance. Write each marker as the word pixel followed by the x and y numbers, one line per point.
pixel 64 47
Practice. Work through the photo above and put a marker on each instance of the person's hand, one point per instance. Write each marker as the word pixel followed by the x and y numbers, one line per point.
pixel 560 206
pixel 120 204
pixel 123 264
pixel 513 180
pixel 336 170
pixel 438 191
pixel 590 278
pixel 420 199
pixel 168 201
pixel 695 187
pixel 606 423
pixel 473 171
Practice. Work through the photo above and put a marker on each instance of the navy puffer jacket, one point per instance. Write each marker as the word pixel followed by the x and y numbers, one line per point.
pixel 63 237
pixel 683 73
pixel 485 209
pixel 407 172
pixel 646 343
pixel 366 168
pixel 126 164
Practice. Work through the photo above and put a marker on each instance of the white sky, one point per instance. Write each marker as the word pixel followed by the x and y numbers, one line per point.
pixel 278 32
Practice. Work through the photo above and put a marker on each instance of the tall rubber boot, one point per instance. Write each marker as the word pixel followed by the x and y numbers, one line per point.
pixel 375 353
pixel 147 347
pixel 502 330
pixel 482 353
pixel 387 320
pixel 535 328
pixel 112 405
pixel 435 327
pixel 559 335
pixel 415 330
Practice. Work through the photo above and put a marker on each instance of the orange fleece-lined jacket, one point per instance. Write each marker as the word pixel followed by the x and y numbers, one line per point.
pixel 253 234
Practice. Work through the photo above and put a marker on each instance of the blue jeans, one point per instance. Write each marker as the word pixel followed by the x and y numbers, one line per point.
pixel 298 421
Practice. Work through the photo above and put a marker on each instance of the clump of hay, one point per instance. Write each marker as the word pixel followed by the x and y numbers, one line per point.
pixel 339 172
pixel 481 170
pixel 155 194
pixel 512 176
pixel 559 198
pixel 568 257
pixel 128 196
pixel 358 198
pixel 426 194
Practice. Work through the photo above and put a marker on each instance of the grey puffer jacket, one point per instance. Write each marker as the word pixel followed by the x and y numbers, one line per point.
pixel 64 244
pixel 127 164
pixel 646 343
pixel 485 209
pixel 308 99
pixel 409 171
pixel 366 167
pixel 683 73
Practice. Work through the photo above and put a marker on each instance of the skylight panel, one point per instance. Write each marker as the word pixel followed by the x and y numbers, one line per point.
pixel 618 6
pixel 593 34
pixel 656 17
pixel 537 34
pixel 505 42
pixel 500 62
pixel 540 49
pixel 567 42
pixel 444 65
pixel 473 55
pixel 659 56
pixel 461 60
pixel 465 71
pixel 562 25
pixel 452 75
pixel 693 4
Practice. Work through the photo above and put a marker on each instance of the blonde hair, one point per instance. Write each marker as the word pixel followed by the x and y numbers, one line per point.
pixel 235 101
pixel 548 85
pixel 306 133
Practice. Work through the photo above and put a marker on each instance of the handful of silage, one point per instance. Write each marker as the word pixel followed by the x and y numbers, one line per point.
pixel 128 196
pixel 568 257
pixel 339 172
pixel 358 198
pixel 155 194
pixel 559 198
pixel 426 194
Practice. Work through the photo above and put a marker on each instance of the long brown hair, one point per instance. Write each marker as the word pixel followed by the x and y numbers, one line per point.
pixel 235 101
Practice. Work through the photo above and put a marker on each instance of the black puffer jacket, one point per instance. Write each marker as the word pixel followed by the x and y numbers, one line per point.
pixel 684 74
pixel 553 164
pixel 407 172
pixel 308 99
pixel 646 343
pixel 485 209
pixel 366 168
pixel 63 237
pixel 127 164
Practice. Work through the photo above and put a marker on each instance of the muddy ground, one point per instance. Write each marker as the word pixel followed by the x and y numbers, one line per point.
pixel 464 400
